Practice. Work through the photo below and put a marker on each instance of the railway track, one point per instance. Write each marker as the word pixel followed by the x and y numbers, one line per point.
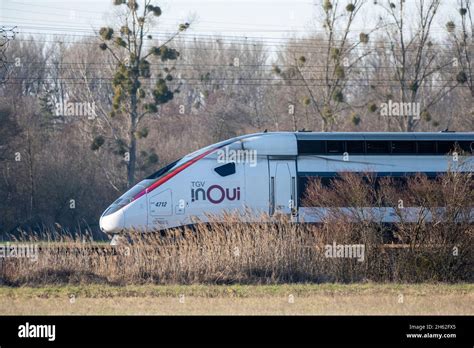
pixel 113 250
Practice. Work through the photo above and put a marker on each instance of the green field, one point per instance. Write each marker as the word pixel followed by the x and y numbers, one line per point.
pixel 304 299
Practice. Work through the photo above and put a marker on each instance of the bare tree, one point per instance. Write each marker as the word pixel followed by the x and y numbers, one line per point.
pixel 462 39
pixel 324 73
pixel 416 70
pixel 6 36
pixel 133 97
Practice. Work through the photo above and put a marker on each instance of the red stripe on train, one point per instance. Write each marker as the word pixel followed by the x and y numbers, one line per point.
pixel 173 173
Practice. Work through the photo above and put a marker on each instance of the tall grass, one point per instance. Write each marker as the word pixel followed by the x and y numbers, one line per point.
pixel 277 250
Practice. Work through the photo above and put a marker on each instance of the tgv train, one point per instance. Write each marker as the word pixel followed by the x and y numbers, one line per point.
pixel 268 172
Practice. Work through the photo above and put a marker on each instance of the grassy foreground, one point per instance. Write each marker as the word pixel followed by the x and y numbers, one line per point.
pixel 303 299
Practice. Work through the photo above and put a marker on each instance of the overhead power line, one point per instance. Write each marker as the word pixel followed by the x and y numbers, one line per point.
pixel 263 85
pixel 287 48
pixel 90 33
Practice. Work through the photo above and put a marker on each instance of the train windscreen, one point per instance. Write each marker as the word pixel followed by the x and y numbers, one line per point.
pixel 128 196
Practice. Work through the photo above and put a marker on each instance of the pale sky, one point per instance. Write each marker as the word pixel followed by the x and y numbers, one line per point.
pixel 270 19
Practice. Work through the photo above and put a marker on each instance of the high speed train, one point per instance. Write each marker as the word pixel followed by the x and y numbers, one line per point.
pixel 268 172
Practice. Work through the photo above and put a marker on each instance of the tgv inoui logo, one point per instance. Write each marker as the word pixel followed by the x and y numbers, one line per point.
pixel 214 193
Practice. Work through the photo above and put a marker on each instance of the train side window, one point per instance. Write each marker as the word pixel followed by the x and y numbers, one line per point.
pixel 355 147
pixel 466 146
pixel 335 146
pixel 378 146
pixel 311 147
pixel 445 147
pixel 404 147
pixel 226 169
pixel 426 147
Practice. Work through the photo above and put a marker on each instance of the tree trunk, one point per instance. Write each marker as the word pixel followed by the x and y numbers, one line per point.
pixel 131 166
pixel 31 176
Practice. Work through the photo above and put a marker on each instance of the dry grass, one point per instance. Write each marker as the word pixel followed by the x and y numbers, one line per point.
pixel 229 253
pixel 328 299
pixel 276 252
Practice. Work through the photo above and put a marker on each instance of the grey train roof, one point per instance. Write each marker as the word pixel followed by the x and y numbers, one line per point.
pixel 384 136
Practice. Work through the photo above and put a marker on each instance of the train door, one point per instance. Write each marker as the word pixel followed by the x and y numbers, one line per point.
pixel 282 186
pixel 160 208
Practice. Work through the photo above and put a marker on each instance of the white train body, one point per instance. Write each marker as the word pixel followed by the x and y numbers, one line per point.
pixel 266 173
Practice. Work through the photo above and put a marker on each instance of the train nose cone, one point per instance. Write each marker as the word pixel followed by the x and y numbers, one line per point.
pixel 112 223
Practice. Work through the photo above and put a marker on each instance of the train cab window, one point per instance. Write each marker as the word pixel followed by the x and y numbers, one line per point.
pixel 336 146
pixel 127 197
pixel 355 147
pixel 445 147
pixel 226 169
pixel 378 146
pixel 404 147
pixel 314 147
pixel 164 170
pixel 426 147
